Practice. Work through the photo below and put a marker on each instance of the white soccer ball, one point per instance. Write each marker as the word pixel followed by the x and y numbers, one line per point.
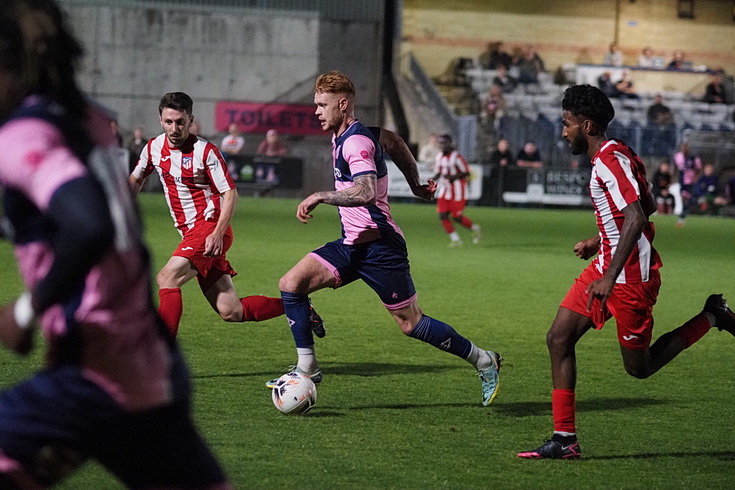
pixel 294 394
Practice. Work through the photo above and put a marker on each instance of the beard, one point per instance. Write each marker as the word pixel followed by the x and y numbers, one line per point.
pixel 578 145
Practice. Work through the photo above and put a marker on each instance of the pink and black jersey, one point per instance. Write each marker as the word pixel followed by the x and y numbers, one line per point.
pixel 178 169
pixel 357 152
pixel 447 166
pixel 100 316
pixel 619 179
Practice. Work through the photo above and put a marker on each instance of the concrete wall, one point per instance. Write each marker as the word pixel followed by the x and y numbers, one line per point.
pixel 135 53
pixel 567 30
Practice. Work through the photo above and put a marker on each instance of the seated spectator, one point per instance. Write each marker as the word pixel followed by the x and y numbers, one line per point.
pixel 501 155
pixel 605 83
pixel 135 147
pixel 614 56
pixel 678 62
pixel 706 191
pixel 430 149
pixel 529 156
pixel 659 113
pixel 624 86
pixel 493 109
pixel 529 66
pixel 688 166
pixel 714 92
pixel 494 56
pixel 646 59
pixel 271 146
pixel 234 142
pixel 661 182
pixel 506 82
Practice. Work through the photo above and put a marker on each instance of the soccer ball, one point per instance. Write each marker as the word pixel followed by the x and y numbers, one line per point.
pixel 294 394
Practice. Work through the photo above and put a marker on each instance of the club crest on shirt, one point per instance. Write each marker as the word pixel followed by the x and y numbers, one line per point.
pixel 186 162
pixel 337 173
pixel 364 154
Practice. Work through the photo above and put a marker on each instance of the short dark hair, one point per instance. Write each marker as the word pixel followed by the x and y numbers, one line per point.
pixel 176 100
pixel 446 136
pixel 590 102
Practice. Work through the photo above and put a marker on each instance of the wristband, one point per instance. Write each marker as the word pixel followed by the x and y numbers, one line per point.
pixel 23 311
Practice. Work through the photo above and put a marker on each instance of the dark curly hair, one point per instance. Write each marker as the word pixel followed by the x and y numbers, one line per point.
pixel 589 102
pixel 37 46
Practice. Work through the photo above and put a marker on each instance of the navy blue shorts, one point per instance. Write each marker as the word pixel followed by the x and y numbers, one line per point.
pixel 382 264
pixel 58 412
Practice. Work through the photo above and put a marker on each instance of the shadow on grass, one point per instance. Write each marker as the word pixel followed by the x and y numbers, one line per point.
pixel 721 455
pixel 362 369
pixel 524 409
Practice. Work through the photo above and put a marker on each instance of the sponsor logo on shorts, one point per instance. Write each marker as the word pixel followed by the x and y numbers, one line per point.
pixel 186 248
pixel 629 337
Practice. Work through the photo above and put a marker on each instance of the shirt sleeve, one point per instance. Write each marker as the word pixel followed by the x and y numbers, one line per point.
pixel 617 175
pixel 35 160
pixel 359 151
pixel 144 167
pixel 216 168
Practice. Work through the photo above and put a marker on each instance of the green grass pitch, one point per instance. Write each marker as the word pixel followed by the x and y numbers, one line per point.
pixel 396 413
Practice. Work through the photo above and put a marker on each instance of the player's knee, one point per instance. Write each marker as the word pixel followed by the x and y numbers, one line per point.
pixel 638 371
pixel 231 314
pixel 443 216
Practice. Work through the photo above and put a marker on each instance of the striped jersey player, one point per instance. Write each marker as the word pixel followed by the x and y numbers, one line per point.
pixel 202 197
pixel 452 172
pixel 622 281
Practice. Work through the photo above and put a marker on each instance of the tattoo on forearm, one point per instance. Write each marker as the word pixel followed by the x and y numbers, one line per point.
pixel 361 194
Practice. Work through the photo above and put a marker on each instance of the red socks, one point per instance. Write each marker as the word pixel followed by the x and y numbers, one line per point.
pixel 694 329
pixel 466 222
pixel 563 410
pixel 259 308
pixel 448 226
pixel 170 307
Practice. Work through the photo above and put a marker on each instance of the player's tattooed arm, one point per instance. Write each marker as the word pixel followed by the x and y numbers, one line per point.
pixel 363 193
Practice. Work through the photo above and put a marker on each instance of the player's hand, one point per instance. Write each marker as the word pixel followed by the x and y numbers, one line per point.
pixel 425 191
pixel 201 178
pixel 214 245
pixel 601 289
pixel 13 336
pixel 586 248
pixel 303 211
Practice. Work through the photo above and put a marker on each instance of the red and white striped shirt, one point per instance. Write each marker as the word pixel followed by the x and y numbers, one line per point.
pixel 189 202
pixel 447 166
pixel 619 179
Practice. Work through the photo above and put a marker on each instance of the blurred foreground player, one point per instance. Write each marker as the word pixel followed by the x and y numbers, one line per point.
pixel 115 388
pixel 372 247
pixel 623 280
pixel 202 198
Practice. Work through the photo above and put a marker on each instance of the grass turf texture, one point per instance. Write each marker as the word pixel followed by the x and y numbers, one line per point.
pixel 396 413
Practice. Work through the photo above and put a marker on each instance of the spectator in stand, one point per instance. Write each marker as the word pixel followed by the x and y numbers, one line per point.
pixel 707 191
pixel 605 83
pixel 135 147
pixel 430 149
pixel 688 165
pixel 529 66
pixel 646 59
pixel 678 62
pixel 715 92
pixel 661 182
pixel 659 113
pixel 195 128
pixel 614 56
pixel 624 86
pixel 501 155
pixel 529 156
pixel 494 56
pixel 234 142
pixel 493 109
pixel 271 146
pixel 506 82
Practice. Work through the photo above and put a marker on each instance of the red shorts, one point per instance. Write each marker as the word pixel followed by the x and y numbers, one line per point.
pixel 209 269
pixel 455 208
pixel 630 304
